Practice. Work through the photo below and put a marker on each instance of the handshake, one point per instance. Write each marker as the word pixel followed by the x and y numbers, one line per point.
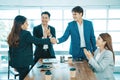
pixel 53 40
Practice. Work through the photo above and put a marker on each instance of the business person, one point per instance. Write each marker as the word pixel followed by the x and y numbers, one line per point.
pixel 20 46
pixel 82 35
pixel 44 31
pixel 104 59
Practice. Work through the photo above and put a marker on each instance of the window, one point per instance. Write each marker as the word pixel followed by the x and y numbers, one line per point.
pixel 31 13
pixel 99 25
pixel 114 13
pixel 105 20
pixel 8 14
pixel 114 25
pixel 91 13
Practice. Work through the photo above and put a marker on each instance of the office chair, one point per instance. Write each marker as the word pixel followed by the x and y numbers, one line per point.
pixel 11 70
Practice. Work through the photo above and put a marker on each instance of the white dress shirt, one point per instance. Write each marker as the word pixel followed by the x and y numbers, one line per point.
pixel 81 32
pixel 45 46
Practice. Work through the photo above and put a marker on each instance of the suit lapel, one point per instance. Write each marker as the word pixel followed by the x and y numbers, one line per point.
pixel 49 28
pixel 76 28
pixel 40 30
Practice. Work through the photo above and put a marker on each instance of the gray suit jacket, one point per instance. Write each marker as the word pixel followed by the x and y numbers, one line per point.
pixel 104 67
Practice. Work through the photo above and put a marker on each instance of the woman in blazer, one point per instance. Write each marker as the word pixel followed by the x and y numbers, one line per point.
pixel 104 60
pixel 20 46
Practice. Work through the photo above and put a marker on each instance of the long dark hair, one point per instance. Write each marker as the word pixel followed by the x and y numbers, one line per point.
pixel 106 37
pixel 13 38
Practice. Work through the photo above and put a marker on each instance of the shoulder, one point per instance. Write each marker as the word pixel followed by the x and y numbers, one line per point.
pixel 108 52
pixel 25 32
pixel 50 26
pixel 87 21
pixel 72 22
pixel 38 26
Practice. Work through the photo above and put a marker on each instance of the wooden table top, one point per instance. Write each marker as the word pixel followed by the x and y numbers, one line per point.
pixel 61 71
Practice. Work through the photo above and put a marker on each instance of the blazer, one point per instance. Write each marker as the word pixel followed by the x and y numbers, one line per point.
pixel 72 30
pixel 104 67
pixel 38 32
pixel 22 55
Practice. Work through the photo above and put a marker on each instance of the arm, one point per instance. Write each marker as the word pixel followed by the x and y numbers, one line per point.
pixel 35 40
pixel 65 35
pixel 92 38
pixel 101 65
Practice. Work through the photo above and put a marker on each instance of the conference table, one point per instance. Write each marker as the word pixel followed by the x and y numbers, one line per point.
pixel 61 71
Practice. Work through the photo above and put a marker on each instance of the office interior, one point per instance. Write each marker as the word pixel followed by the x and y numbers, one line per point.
pixel 105 15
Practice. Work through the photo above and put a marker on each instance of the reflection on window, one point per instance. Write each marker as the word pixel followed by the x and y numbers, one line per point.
pixel 115 36
pixel 8 14
pixel 97 34
pixel 5 27
pixel 66 44
pixel 57 24
pixel 59 34
pixel 36 22
pixel 68 14
pixel 31 13
pixel 30 26
pixel 99 25
pixel 103 21
pixel 55 14
pixel 116 47
pixel 66 24
pixel 114 13
pixel 91 13
pixel 114 25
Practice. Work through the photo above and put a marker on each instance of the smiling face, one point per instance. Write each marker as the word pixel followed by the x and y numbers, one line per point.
pixel 100 42
pixel 77 16
pixel 45 19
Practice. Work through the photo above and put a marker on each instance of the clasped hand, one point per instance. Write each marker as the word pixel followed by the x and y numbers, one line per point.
pixel 47 33
pixel 53 40
pixel 88 54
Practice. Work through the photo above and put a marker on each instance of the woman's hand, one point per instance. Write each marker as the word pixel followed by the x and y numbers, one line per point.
pixel 88 54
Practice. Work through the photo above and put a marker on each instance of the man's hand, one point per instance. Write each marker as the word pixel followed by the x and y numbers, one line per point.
pixel 53 40
pixel 48 32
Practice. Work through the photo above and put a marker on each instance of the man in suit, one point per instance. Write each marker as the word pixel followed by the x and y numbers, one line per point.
pixel 82 35
pixel 44 31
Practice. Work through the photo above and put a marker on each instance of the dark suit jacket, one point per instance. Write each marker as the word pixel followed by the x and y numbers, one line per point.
pixel 38 32
pixel 72 30
pixel 22 55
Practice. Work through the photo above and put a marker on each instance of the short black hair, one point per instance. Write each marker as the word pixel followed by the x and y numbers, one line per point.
pixel 78 9
pixel 46 12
